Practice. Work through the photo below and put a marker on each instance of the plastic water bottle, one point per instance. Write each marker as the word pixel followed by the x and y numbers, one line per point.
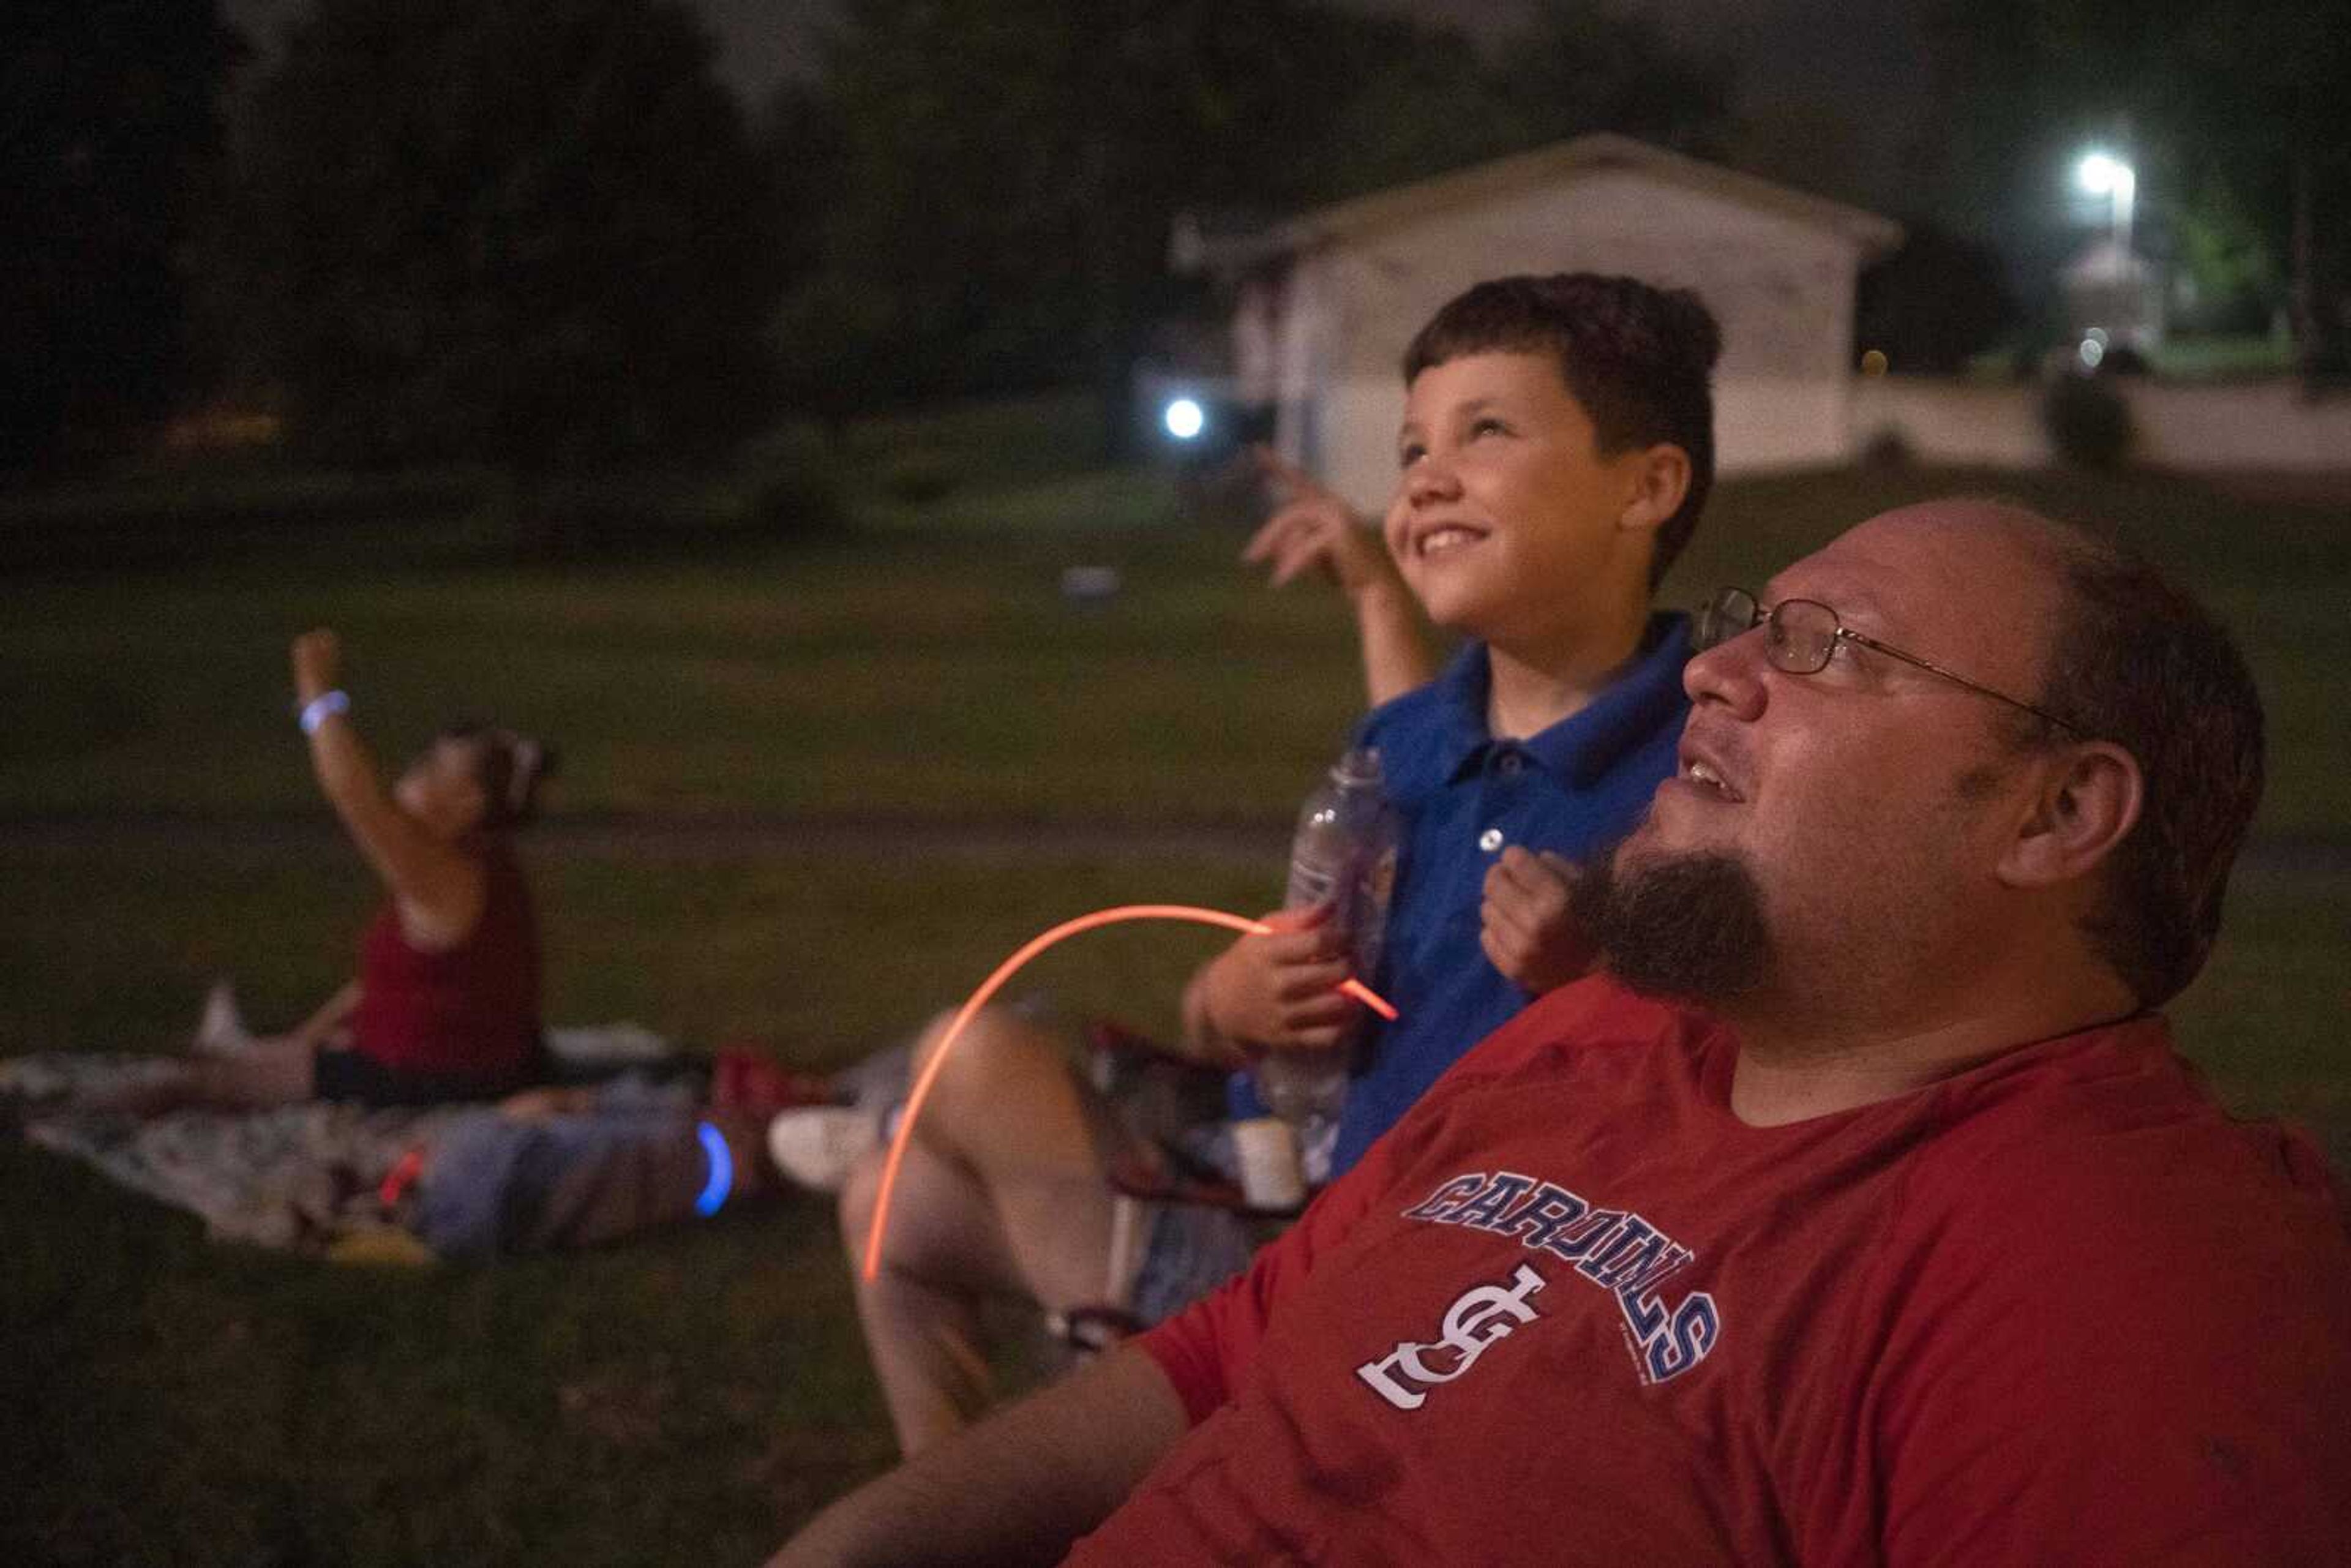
pixel 1343 855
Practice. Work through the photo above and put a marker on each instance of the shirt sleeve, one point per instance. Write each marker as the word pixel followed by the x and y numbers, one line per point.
pixel 1206 1349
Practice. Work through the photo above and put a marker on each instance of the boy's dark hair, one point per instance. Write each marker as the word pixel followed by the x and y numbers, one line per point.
pixel 1639 359
pixel 509 768
pixel 2136 660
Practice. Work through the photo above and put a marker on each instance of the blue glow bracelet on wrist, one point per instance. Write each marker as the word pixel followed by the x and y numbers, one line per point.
pixel 318 709
pixel 721 1180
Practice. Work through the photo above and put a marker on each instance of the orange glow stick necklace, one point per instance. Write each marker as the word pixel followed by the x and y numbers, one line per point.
pixel 994 982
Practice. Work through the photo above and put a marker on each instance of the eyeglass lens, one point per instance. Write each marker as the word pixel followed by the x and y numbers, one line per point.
pixel 1731 612
pixel 1799 635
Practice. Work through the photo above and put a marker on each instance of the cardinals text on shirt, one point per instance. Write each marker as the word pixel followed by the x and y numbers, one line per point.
pixel 1615 1249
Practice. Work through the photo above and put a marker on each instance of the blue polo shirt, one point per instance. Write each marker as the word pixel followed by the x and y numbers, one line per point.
pixel 1463 798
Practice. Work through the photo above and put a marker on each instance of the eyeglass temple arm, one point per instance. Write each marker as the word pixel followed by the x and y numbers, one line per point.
pixel 1976 686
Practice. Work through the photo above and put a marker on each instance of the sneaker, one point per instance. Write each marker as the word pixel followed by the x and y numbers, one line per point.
pixel 221 1030
pixel 814 1146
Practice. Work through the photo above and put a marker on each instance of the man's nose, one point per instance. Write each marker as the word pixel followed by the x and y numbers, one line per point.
pixel 1730 674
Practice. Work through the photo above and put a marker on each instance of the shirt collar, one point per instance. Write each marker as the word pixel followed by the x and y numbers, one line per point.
pixel 1581 749
pixel 1460 692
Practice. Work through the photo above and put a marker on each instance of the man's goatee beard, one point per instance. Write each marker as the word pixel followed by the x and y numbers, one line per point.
pixel 1689 927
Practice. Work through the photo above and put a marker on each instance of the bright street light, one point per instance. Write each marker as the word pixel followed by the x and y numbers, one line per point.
pixel 2101 172
pixel 2104 174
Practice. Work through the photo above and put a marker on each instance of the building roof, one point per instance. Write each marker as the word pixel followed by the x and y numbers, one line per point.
pixel 1561 160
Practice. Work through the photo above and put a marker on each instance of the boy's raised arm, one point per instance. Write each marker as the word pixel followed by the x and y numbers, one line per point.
pixel 1312 529
pixel 1017 1488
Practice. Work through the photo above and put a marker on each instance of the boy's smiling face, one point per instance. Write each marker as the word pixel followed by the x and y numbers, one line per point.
pixel 1507 522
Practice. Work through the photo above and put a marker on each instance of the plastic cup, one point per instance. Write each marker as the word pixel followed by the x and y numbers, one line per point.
pixel 1271 1176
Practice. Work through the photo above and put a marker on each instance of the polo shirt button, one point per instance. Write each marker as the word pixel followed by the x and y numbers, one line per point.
pixel 1490 839
pixel 1508 765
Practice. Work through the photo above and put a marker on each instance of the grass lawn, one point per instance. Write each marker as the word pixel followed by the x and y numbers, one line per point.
pixel 692 1396
pixel 686 1397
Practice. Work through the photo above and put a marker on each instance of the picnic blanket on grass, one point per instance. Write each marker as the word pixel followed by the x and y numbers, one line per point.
pixel 298 1177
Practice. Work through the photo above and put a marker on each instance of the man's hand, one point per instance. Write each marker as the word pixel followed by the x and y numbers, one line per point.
pixel 1313 529
pixel 1526 929
pixel 1278 992
pixel 318 658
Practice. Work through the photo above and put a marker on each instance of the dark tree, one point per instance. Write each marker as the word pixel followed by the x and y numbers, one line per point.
pixel 1007 170
pixel 109 113
pixel 531 232
pixel 2235 117
pixel 1580 68
pixel 1934 303
pixel 1409 100
pixel 1401 99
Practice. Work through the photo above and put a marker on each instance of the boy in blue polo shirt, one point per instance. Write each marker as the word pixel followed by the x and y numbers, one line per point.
pixel 1555 452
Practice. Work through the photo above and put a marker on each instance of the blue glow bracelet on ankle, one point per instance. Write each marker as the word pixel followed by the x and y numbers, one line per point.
pixel 325 705
pixel 722 1170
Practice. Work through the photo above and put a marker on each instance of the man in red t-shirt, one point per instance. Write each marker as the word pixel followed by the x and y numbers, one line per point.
pixel 1862 1214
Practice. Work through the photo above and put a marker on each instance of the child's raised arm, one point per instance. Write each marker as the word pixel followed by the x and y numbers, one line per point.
pixel 1314 529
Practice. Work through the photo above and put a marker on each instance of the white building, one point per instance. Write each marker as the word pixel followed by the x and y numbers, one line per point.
pixel 1335 295
pixel 2113 297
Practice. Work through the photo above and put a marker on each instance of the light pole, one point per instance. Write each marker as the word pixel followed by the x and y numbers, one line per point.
pixel 2104 174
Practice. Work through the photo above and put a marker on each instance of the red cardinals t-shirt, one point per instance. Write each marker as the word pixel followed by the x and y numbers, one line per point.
pixel 2056 1309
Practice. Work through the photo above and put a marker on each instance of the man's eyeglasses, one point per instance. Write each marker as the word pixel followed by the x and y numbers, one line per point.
pixel 1799 635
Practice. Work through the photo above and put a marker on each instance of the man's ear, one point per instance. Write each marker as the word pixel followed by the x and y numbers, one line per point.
pixel 2087 802
pixel 1660 482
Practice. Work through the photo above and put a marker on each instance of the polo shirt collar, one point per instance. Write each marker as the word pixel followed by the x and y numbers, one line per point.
pixel 1581 749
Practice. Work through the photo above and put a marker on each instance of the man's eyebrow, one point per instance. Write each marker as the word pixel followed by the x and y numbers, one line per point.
pixel 1863 607
pixel 1857 607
